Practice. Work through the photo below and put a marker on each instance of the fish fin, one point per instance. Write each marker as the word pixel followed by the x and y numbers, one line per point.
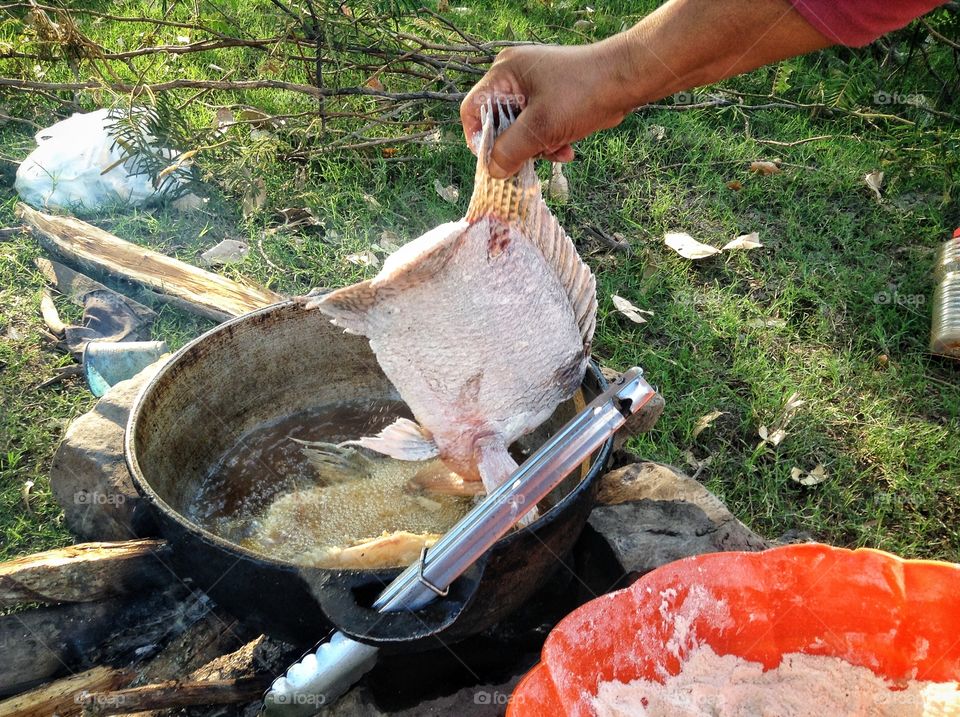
pixel 403 439
pixel 422 259
pixel 518 200
pixel 496 465
pixel 349 307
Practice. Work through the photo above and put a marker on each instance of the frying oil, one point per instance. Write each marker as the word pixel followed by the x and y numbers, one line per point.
pixel 265 494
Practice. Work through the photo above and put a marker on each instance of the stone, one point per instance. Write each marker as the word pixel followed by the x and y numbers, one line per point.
pixel 651 514
pixel 88 476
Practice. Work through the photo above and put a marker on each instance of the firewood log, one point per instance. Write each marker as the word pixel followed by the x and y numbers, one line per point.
pixel 63 697
pixel 85 572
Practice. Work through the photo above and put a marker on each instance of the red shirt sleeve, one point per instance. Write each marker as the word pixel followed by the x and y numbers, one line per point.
pixel 860 22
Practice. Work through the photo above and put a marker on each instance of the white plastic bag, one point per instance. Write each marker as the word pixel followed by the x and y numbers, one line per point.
pixel 75 165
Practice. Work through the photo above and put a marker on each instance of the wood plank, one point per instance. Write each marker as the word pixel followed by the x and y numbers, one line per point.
pixel 63 697
pixel 210 294
pixel 84 573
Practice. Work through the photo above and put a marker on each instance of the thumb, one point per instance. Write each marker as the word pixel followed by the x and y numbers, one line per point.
pixel 523 140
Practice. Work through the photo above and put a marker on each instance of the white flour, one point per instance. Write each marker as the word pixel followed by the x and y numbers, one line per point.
pixel 711 685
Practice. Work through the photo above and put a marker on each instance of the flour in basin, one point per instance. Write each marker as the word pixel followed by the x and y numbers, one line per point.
pixel 712 685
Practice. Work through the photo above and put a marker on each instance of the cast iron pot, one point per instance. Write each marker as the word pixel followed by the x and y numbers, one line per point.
pixel 276 362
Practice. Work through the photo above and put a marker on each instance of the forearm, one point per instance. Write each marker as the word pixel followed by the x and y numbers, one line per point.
pixel 689 43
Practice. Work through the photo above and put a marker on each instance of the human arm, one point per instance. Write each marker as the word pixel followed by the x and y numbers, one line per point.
pixel 569 92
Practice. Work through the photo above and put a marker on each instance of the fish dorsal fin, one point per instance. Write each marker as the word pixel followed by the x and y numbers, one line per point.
pixel 518 200
pixel 411 265
pixel 422 259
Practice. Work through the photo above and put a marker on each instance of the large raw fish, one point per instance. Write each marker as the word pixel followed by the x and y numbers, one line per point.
pixel 483 325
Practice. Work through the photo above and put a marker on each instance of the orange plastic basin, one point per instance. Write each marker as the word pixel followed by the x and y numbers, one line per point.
pixel 899 618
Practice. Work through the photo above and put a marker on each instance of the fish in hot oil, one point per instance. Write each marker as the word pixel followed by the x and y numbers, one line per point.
pixel 483 324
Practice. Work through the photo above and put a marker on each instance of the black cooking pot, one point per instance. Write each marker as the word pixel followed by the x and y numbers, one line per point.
pixel 277 362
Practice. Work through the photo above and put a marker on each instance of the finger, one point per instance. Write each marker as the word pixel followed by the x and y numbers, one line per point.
pixel 523 140
pixel 470 118
pixel 561 154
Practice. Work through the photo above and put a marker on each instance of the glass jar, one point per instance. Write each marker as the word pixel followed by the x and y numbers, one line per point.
pixel 945 329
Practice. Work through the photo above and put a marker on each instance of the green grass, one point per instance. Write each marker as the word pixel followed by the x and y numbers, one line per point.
pixel 738 333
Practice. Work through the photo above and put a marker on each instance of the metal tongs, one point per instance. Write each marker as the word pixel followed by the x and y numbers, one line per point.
pixel 323 675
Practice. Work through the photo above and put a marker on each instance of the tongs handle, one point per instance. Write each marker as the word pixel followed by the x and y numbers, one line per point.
pixel 325 674
pixel 478 530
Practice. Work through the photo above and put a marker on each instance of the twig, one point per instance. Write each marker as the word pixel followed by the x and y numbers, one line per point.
pixel 60 375
pixel 266 258
pixel 610 241
pixel 796 142
pixel 229 85
pixel 938 36
pixel 8 118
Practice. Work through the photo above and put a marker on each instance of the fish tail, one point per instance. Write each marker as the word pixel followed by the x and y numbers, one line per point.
pixel 510 199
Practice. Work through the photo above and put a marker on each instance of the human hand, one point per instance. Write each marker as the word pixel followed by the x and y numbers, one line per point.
pixel 565 94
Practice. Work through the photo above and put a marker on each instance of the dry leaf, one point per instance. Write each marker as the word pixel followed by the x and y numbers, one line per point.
pixel 815 477
pixel 688 247
pixel 449 193
pixel 763 432
pixel 734 185
pixel 704 422
pixel 629 310
pixel 559 188
pixel 792 404
pixel 764 167
pixel 443 6
pixel 744 241
pixel 374 83
pixel 223 118
pixel 696 463
pixel 229 251
pixel 371 201
pixel 296 217
pixel 390 241
pixel 874 180
pixel 584 25
pixel 776 438
pixel 257 118
pixel 656 132
pixel 364 258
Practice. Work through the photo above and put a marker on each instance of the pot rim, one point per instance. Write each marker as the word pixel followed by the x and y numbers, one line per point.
pixel 146 490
